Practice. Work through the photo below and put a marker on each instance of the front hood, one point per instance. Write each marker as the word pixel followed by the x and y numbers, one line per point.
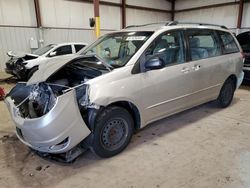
pixel 20 55
pixel 48 68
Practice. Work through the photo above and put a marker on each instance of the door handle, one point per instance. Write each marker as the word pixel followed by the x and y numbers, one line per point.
pixel 196 67
pixel 185 70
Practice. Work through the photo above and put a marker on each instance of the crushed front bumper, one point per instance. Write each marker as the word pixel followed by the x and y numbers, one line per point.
pixel 58 131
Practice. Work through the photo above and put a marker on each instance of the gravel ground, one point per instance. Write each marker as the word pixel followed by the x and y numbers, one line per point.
pixel 201 147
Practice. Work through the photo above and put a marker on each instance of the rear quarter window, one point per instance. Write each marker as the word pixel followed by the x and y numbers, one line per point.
pixel 78 47
pixel 203 43
pixel 228 43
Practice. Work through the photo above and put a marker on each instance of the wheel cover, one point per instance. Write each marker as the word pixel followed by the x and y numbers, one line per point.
pixel 114 134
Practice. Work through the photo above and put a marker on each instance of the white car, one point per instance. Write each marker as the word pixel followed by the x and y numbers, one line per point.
pixel 24 65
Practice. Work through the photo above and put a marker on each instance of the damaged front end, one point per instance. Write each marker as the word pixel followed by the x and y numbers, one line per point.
pixel 51 116
pixel 16 64
pixel 46 120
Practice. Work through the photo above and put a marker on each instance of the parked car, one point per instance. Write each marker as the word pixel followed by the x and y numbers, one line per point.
pixel 121 83
pixel 23 66
pixel 244 40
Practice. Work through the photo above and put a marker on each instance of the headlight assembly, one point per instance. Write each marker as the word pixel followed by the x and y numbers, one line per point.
pixel 82 94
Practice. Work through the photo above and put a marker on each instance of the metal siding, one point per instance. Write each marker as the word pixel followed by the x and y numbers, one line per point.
pixel 141 17
pixel 226 15
pixel 246 15
pixel 15 39
pixel 113 1
pixel 180 4
pixel 17 12
pixel 67 35
pixel 160 4
pixel 66 14
pixel 107 13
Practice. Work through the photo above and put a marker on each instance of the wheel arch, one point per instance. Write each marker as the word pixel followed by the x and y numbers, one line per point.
pixel 129 106
pixel 132 109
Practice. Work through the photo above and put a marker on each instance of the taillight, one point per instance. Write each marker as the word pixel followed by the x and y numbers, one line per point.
pixel 242 54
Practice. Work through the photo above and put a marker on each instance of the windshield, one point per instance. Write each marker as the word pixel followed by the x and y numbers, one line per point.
pixel 117 49
pixel 44 49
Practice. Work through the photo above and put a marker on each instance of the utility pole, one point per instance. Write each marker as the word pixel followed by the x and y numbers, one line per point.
pixel 123 13
pixel 97 18
pixel 240 16
pixel 172 9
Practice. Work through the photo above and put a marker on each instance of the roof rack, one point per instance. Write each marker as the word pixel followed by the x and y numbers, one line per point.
pixel 143 25
pixel 172 23
pixel 194 23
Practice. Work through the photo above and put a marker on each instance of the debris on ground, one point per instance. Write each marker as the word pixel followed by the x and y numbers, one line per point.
pixel 4 138
pixel 39 168
pixel 2 93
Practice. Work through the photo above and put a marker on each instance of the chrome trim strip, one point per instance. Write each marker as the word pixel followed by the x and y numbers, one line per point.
pixel 170 100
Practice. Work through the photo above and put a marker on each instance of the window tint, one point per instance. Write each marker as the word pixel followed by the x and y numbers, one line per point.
pixel 78 47
pixel 202 44
pixel 169 47
pixel 228 43
pixel 63 50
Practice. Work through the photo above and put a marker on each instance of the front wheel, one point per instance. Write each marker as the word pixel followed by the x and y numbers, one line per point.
pixel 226 94
pixel 113 131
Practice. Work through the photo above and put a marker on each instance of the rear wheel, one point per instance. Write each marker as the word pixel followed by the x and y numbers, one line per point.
pixel 113 131
pixel 226 94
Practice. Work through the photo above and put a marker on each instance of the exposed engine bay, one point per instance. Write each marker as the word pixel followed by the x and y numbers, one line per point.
pixel 36 100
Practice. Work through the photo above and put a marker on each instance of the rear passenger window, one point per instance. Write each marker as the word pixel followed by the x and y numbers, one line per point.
pixel 169 47
pixel 228 43
pixel 78 47
pixel 203 44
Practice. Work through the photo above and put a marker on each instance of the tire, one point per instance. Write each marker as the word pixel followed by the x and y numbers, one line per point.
pixel 31 72
pixel 113 130
pixel 226 94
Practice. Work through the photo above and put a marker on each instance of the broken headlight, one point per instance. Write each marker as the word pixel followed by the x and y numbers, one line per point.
pixel 82 95
pixel 41 100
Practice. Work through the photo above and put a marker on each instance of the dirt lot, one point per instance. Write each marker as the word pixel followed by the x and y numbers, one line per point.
pixel 201 147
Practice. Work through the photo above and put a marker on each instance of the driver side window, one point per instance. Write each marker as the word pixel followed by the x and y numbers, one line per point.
pixel 168 47
pixel 63 50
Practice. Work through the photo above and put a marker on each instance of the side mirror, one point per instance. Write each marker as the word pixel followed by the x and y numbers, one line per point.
pixel 154 63
pixel 52 54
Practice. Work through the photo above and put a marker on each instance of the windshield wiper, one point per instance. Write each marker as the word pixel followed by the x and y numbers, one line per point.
pixel 106 65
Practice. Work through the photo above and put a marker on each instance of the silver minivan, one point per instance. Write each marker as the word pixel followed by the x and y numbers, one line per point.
pixel 121 83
